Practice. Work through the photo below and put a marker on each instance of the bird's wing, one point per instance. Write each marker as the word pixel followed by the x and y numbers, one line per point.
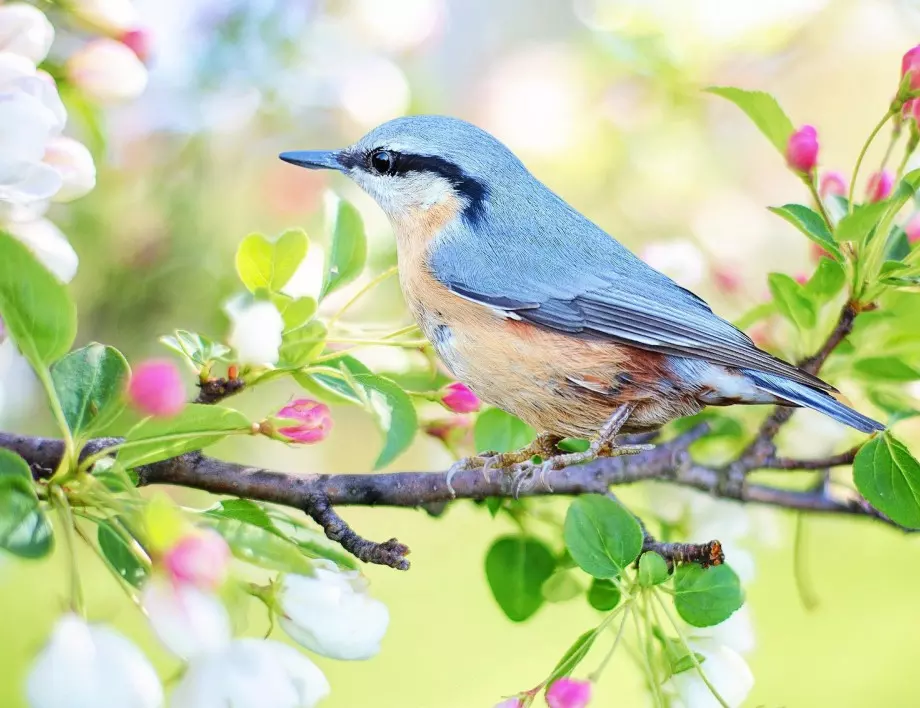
pixel 599 288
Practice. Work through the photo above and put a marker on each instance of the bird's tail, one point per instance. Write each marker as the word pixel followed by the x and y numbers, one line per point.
pixel 802 395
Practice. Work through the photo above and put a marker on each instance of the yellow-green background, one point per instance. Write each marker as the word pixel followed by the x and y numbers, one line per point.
pixel 647 156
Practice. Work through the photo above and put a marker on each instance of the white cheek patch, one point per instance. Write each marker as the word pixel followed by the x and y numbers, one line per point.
pixel 401 195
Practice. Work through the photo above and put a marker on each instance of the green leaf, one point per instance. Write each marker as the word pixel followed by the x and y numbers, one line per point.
pixel 119 555
pixel 603 595
pixel 321 384
pixel 24 528
pixel 704 597
pixel 516 568
pixel 602 536
pixel 763 109
pixel 89 383
pixel 302 345
pixel 500 432
pixel 810 223
pixel 827 280
pixel 562 586
pixel 196 427
pixel 348 250
pixel 755 315
pixel 295 312
pixel 888 476
pixel 35 306
pixel 898 247
pixel 243 510
pixel 263 548
pixel 792 301
pixel 195 347
pixel 858 225
pixel 885 368
pixel 261 263
pixel 653 569
pixel 573 656
pixel 394 412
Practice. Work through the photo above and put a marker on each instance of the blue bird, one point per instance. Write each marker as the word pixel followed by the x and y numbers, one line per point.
pixel 542 313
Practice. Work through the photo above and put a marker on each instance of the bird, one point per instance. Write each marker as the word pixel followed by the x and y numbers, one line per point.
pixel 542 313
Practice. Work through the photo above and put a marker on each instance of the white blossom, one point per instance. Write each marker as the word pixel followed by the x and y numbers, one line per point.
pixel 91 666
pixel 24 30
pixel 332 613
pixel 49 245
pixel 114 17
pixel 74 164
pixel 256 332
pixel 725 669
pixel 189 621
pixel 107 71
pixel 679 259
pixel 31 114
pixel 251 673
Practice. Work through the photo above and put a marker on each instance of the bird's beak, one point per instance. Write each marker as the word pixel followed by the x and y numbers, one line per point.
pixel 313 159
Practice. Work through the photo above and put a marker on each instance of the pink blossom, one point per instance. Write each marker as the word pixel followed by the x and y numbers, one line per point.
pixel 727 279
pixel 802 149
pixel 156 388
pixel 911 110
pixel 911 228
pixel 568 693
pixel 911 62
pixel 458 398
pixel 138 41
pixel 879 187
pixel 801 278
pixel 447 429
pixel 201 559
pixel 832 183
pixel 313 421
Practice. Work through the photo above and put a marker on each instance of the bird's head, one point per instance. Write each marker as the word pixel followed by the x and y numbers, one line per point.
pixel 415 164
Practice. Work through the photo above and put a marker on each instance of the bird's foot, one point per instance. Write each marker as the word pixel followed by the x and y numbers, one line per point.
pixel 543 446
pixel 527 473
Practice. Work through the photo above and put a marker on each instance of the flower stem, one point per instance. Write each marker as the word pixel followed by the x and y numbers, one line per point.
pixel 596 674
pixel 696 662
pixel 645 652
pixel 358 295
pixel 810 183
pixel 68 524
pixel 862 154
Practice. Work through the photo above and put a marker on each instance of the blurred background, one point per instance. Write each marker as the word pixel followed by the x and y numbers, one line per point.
pixel 601 99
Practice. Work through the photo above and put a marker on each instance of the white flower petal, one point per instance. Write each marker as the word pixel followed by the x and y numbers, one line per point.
pixel 74 164
pixel 188 621
pixel 332 614
pixel 107 71
pixel 251 673
pixel 726 671
pixel 49 245
pixel 91 666
pixel 113 17
pixel 24 30
pixel 256 332
pixel 736 633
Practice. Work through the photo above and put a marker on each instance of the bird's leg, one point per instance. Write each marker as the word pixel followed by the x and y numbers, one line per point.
pixel 543 445
pixel 603 445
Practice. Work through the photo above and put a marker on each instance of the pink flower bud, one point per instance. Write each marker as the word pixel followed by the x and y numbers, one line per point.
pixel 817 252
pixel 879 186
pixel 138 41
pixel 459 399
pixel 911 228
pixel 156 388
pixel 832 183
pixel 201 559
pixel 107 71
pixel 568 693
pixel 911 62
pixel 313 421
pixel 802 149
pixel 727 279
pixel 801 278
pixel 448 429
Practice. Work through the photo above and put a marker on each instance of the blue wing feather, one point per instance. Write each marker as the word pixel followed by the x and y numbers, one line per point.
pixel 555 268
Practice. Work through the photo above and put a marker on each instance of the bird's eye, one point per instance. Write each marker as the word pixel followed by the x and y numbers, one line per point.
pixel 383 161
